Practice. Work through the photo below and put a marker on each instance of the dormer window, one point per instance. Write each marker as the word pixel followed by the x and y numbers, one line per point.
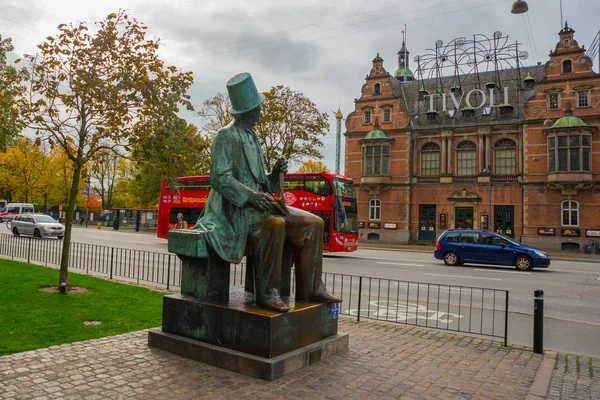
pixel 567 67
pixel 583 98
pixel 366 116
pixel 387 114
pixel 553 101
pixel 377 89
pixel 566 43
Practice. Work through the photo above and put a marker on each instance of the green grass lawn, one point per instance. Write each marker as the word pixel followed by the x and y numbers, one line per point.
pixel 32 319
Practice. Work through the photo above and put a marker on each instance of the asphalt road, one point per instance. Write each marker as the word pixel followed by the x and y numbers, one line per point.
pixel 571 288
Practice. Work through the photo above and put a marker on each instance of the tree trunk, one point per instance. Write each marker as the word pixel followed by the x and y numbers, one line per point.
pixel 64 261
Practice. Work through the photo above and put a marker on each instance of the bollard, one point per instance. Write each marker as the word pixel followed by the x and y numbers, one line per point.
pixel 538 321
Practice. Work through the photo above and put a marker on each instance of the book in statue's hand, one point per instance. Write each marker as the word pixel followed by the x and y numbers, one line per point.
pixel 280 207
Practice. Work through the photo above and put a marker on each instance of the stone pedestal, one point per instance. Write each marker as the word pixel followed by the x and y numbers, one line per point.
pixel 242 326
pixel 208 322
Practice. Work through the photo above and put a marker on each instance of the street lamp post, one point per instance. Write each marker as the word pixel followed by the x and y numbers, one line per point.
pixel 87 204
pixel 489 168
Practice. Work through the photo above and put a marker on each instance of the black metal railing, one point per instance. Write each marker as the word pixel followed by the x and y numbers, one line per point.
pixel 465 309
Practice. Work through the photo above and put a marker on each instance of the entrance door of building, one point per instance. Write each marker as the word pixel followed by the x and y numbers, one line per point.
pixel 504 220
pixel 427 222
pixel 463 218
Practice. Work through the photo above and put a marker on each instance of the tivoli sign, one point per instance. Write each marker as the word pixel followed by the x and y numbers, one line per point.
pixel 483 99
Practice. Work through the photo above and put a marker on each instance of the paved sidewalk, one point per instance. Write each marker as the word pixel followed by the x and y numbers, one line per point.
pixel 385 361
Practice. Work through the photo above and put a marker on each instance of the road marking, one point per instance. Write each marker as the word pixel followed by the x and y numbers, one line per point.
pixel 573 270
pixel 406 265
pixel 503 272
pixel 466 277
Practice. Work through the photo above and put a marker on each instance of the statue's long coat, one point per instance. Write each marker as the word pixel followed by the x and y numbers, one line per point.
pixel 236 170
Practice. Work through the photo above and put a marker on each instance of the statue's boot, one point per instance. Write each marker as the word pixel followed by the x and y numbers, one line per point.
pixel 272 301
pixel 320 295
pixel 325 297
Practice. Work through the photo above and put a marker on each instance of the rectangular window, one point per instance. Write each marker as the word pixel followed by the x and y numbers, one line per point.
pixel 571 153
pixel 387 112
pixel 376 160
pixel 552 155
pixel 385 160
pixel 505 161
pixel 430 163
pixel 366 116
pixel 553 101
pixel 583 98
pixel 466 162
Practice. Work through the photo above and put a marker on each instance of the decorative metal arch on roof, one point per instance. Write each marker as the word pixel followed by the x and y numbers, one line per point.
pixel 482 55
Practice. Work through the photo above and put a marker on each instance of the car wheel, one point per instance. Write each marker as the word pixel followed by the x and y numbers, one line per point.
pixel 37 233
pixel 523 263
pixel 15 231
pixel 451 258
pixel 59 237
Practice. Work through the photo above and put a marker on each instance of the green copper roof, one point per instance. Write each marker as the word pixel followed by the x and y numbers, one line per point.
pixel 403 72
pixel 570 121
pixel 529 78
pixel 376 134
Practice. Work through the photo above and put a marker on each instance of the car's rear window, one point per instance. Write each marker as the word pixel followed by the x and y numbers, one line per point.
pixel 452 237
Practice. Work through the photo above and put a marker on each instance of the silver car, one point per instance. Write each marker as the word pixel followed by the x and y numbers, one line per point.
pixel 37 225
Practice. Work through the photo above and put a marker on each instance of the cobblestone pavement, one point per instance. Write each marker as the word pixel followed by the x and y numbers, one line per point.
pixel 385 361
pixel 575 377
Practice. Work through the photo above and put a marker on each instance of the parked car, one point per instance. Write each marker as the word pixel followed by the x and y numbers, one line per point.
pixel 13 209
pixel 37 225
pixel 459 246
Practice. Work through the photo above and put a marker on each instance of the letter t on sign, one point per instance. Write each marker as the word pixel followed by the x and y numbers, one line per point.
pixel 431 96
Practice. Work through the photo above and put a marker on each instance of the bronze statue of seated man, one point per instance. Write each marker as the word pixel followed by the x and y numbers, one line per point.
pixel 241 209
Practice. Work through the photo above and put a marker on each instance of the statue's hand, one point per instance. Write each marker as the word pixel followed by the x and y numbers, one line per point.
pixel 261 201
pixel 280 165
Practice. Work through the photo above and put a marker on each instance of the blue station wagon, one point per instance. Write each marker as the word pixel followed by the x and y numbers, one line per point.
pixel 458 246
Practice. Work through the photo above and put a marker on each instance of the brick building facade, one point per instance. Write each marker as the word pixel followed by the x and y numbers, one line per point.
pixel 519 150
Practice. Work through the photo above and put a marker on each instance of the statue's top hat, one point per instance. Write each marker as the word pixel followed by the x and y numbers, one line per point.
pixel 243 94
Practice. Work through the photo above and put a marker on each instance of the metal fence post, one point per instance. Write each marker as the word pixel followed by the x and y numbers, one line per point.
pixel 168 271
pixel 538 321
pixel 112 253
pixel 29 250
pixel 359 297
pixel 506 321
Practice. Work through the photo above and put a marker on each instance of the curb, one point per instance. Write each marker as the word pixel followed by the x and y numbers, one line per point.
pixel 543 377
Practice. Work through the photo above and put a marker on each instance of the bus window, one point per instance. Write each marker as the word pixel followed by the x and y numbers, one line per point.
pixel 346 217
pixel 181 218
pixel 293 184
pixel 317 185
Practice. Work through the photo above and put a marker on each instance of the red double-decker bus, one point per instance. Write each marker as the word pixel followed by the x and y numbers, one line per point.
pixel 330 196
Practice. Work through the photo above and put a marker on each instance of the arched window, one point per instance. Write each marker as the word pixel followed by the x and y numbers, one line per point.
pixel 466 158
pixel 430 159
pixel 570 213
pixel 505 157
pixel 567 66
pixel 374 209
pixel 377 89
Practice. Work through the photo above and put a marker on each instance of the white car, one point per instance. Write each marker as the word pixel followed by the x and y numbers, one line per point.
pixel 37 225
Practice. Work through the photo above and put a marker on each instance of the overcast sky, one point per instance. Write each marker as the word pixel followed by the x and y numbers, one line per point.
pixel 321 48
